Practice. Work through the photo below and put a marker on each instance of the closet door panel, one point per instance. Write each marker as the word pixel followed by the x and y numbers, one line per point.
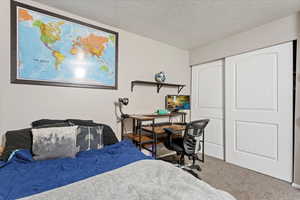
pixel 207 102
pixel 259 110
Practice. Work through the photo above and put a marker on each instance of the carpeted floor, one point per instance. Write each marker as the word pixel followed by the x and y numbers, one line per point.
pixel 245 184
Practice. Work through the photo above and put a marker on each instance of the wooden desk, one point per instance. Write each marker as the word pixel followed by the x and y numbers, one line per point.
pixel 136 135
pixel 170 115
pixel 141 117
pixel 160 129
pixel 155 130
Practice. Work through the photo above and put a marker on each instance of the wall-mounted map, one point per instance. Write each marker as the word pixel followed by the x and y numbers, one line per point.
pixel 55 50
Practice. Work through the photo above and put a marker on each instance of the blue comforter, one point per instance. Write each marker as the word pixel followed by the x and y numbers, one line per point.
pixel 22 176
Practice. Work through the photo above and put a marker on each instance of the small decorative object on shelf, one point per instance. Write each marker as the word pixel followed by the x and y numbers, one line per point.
pixel 160 77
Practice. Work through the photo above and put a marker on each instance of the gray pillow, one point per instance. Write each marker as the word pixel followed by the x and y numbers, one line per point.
pixel 52 143
pixel 90 137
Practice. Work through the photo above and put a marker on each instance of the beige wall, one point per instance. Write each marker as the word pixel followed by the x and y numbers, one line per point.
pixel 139 58
pixel 279 31
pixel 276 32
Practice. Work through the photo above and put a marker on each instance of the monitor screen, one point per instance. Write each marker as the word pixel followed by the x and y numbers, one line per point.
pixel 178 102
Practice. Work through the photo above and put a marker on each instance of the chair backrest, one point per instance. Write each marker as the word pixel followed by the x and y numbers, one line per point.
pixel 193 135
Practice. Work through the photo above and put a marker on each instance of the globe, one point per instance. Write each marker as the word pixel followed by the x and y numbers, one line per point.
pixel 160 77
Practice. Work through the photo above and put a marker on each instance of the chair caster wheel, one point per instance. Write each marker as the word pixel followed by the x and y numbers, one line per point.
pixel 198 168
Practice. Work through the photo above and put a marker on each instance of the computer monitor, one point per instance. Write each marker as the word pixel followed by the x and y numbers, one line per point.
pixel 178 102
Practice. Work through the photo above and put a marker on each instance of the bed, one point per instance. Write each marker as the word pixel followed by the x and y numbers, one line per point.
pixel 113 170
pixel 118 171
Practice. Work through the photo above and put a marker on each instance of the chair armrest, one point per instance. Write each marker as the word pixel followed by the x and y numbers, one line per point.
pixel 169 131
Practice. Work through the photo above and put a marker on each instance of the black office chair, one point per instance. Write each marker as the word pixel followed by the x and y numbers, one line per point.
pixel 189 145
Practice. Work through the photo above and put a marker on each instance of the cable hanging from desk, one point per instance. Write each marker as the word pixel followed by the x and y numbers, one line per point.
pixel 158 85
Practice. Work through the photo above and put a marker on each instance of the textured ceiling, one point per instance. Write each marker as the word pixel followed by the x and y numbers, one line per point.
pixel 182 23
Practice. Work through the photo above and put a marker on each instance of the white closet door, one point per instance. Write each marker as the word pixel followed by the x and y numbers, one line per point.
pixel 207 102
pixel 259 110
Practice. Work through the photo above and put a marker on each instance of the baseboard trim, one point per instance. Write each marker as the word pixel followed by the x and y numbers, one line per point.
pixel 296 186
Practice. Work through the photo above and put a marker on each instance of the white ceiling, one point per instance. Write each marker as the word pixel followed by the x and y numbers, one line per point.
pixel 182 23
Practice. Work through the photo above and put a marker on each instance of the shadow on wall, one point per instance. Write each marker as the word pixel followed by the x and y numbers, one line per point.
pixel 2 140
pixel 117 114
pixel 127 122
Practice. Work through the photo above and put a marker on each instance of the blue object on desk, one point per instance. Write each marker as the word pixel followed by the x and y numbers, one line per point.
pixel 162 112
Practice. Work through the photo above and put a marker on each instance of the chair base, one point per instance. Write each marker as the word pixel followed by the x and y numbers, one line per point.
pixel 190 169
pixel 180 163
pixel 192 173
pixel 196 167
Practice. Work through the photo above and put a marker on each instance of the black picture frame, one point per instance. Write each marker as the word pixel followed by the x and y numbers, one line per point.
pixel 14 39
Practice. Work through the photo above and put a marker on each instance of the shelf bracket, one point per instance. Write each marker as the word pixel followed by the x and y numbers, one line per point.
pixel 132 85
pixel 180 88
pixel 159 86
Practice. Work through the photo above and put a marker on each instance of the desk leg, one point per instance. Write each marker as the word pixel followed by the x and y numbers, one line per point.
pixel 203 148
pixel 133 126
pixel 154 146
pixel 139 129
pixel 122 129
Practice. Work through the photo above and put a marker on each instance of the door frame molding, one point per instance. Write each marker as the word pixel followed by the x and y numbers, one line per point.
pixel 295 47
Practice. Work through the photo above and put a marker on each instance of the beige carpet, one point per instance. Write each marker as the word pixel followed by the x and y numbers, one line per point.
pixel 245 184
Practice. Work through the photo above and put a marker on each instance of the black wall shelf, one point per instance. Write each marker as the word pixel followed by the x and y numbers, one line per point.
pixel 158 85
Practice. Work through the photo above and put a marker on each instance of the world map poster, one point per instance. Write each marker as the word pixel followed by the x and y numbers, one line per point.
pixel 52 49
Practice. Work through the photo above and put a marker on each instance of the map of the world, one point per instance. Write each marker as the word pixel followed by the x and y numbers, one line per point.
pixel 55 50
